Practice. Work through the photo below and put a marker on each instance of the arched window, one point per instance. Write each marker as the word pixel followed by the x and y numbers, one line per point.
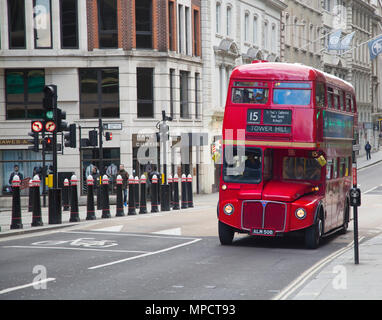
pixel 218 17
pixel 228 20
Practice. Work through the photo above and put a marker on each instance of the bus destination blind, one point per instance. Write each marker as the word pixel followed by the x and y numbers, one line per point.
pixel 269 121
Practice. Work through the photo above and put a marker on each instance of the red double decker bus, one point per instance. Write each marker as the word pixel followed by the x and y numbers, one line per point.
pixel 288 131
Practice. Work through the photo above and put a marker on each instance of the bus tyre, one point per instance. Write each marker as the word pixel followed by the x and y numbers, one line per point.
pixel 226 234
pixel 313 235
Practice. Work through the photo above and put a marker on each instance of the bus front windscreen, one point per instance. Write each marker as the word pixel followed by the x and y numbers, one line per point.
pixel 242 164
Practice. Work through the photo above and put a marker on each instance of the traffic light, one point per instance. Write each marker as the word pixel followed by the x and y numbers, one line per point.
pixel 61 124
pixel 33 141
pixel 48 144
pixel 49 101
pixel 93 138
pixel 108 135
pixel 70 137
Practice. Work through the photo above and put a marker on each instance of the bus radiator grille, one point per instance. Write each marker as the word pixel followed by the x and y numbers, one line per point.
pixel 263 214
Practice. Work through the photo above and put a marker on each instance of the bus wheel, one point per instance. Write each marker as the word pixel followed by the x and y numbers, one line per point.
pixel 345 226
pixel 226 234
pixel 313 235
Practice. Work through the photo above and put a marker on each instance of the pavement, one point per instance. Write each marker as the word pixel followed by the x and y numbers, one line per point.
pixel 336 277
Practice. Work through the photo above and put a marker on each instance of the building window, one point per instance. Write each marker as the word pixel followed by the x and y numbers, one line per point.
pixel 99 93
pixel 266 40
pixel 183 89
pixel 228 21
pixel 218 17
pixel 145 93
pixel 172 78
pixel 16 24
pixel 171 34
pixel 143 23
pixel 42 24
pixel 196 42
pixel 90 158
pixel 255 30
pixel 29 164
pixel 69 24
pixel 246 27
pixel 187 25
pixel 23 90
pixel 107 24
pixel 181 28
pixel 197 95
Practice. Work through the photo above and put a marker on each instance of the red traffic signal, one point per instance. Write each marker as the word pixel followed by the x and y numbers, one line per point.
pixel 109 136
pixel 48 144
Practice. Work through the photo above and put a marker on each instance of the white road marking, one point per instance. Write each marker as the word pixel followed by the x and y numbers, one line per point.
pixel 372 189
pixel 111 229
pixel 297 283
pixel 145 254
pixel 173 231
pixel 27 285
pixel 133 235
pixel 72 248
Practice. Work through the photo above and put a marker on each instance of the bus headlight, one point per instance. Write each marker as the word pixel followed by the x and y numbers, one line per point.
pixel 300 213
pixel 228 209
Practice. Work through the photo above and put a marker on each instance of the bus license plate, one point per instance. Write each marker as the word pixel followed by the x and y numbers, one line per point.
pixel 263 232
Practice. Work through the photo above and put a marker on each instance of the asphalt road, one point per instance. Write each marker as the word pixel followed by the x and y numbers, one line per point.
pixel 164 256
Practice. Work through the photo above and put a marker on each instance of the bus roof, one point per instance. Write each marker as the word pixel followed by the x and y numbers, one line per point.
pixel 287 72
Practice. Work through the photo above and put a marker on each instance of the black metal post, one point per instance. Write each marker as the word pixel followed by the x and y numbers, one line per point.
pixel 105 199
pixel 74 210
pixel 136 192
pixel 143 202
pixel 119 206
pixel 16 205
pixel 36 211
pixel 90 209
pixel 65 195
pixel 154 194
pixel 184 192
pixel 355 208
pixel 175 184
pixel 190 201
pixel 131 208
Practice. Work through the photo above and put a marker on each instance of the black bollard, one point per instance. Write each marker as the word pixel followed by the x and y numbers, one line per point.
pixel 99 194
pixel 119 206
pixel 175 185
pixel 190 201
pixel 143 202
pixel 105 193
pixel 154 194
pixel 16 205
pixel 90 209
pixel 36 208
pixel 136 192
pixel 131 209
pixel 65 196
pixel 184 192
pixel 170 182
pixel 30 199
pixel 74 211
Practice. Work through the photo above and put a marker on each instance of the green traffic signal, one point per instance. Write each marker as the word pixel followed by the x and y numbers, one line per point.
pixel 49 115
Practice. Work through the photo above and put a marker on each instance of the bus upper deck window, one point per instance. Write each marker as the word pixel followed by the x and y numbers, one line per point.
pixel 250 95
pixel 292 93
pixel 320 94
